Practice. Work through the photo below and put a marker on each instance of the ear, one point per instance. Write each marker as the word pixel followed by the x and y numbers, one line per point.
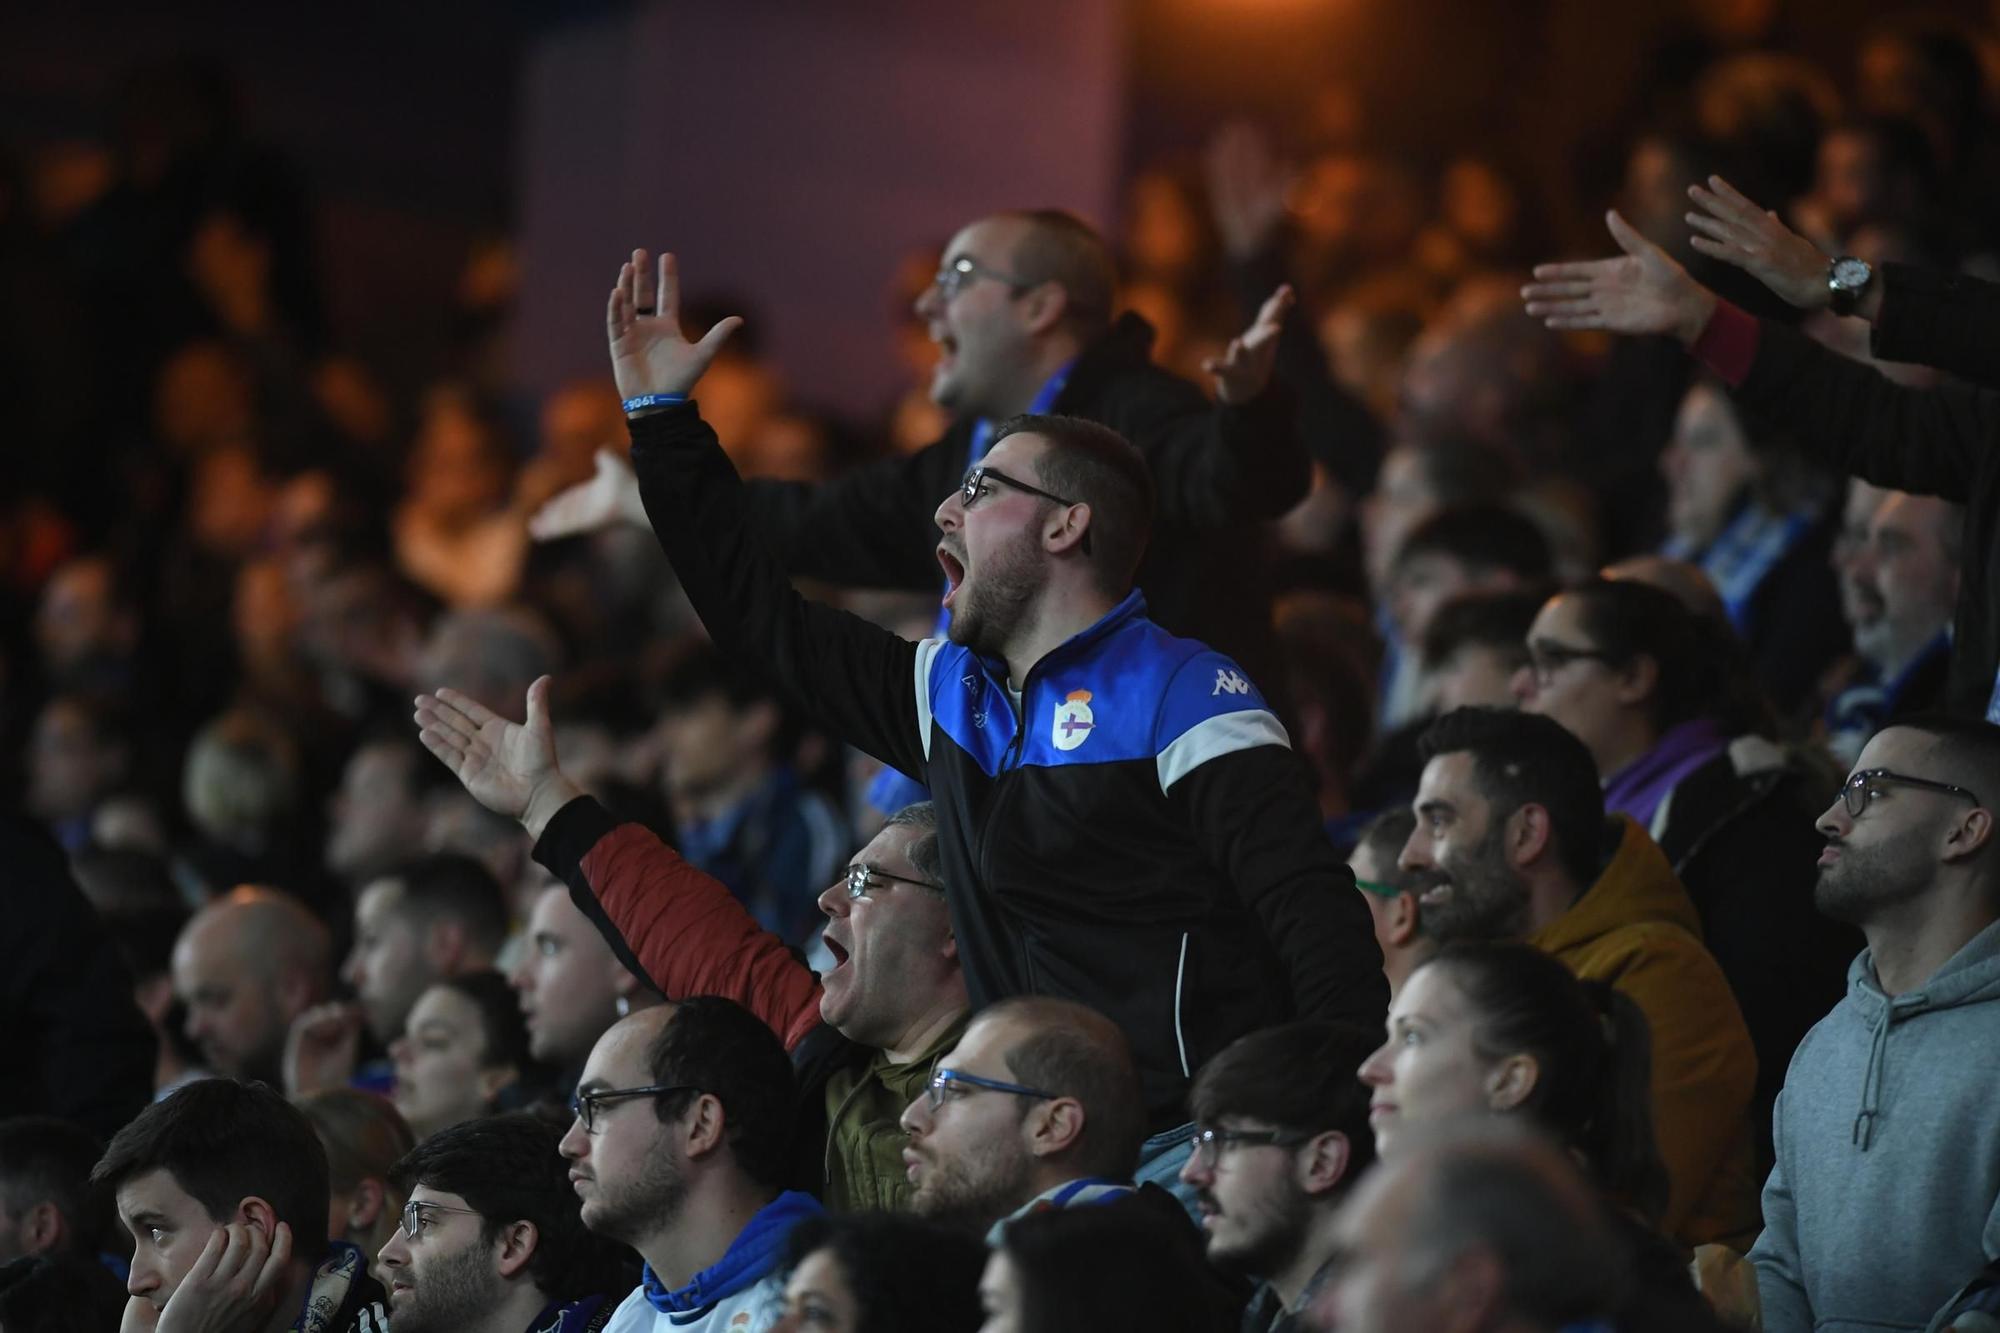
pixel 1402 914
pixel 1075 522
pixel 365 1205
pixel 43 1229
pixel 517 1247
pixel 444 946
pixel 708 1131
pixel 950 947
pixel 1529 834
pixel 1324 1162
pixel 1057 1128
pixel 1969 834
pixel 1638 679
pixel 258 1213
pixel 1511 1081
pixel 1043 307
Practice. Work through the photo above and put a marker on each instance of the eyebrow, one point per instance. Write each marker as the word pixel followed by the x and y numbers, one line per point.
pixel 1435 807
pixel 436 1027
pixel 148 1218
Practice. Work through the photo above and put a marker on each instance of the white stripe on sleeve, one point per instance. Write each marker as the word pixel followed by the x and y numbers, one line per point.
pixel 927 652
pixel 1218 736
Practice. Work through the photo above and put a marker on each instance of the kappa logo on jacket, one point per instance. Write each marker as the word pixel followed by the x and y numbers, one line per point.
pixel 1073 721
pixel 1228 682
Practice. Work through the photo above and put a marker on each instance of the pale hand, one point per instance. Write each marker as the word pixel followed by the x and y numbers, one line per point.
pixel 141 1316
pixel 1244 369
pixel 649 353
pixel 322 1048
pixel 235 1283
pixel 1643 291
pixel 610 497
pixel 508 767
pixel 1733 229
pixel 1247 186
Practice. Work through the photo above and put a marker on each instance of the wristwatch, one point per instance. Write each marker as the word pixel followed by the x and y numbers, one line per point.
pixel 1847 278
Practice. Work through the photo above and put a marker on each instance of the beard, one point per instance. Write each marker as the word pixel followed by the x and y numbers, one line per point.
pixel 1487 901
pixel 986 617
pixel 635 1207
pixel 457 1292
pixel 1866 879
pixel 1269 1242
pixel 974 1191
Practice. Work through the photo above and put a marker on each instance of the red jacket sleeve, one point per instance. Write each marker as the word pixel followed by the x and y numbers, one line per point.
pixel 684 930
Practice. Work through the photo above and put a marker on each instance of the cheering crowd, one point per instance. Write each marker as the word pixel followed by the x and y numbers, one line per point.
pixel 1323 765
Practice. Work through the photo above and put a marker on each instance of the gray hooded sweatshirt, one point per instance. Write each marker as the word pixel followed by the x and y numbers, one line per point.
pixel 1886 1194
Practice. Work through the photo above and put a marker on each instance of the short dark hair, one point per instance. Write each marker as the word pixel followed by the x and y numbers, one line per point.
pixel 1481 535
pixel 907 1275
pixel 1460 469
pixel 1968 754
pixel 1060 247
pixel 453 886
pixel 1495 620
pixel 1299 1076
pixel 724 1050
pixel 506 1167
pixel 1087 463
pixel 1073 1050
pixel 925 855
pixel 1386 835
pixel 1702 667
pixel 47 1160
pixel 1525 759
pixel 506 1031
pixel 222 1142
pixel 1123 1264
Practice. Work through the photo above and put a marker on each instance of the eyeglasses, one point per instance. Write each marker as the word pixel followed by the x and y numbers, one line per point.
pixel 417 1211
pixel 587 1104
pixel 954 274
pixel 948 1084
pixel 1859 789
pixel 1545 659
pixel 1210 1144
pixel 975 487
pixel 863 879
pixel 1377 887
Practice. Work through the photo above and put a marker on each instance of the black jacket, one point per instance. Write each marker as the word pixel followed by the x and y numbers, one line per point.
pixel 81 1049
pixel 1139 837
pixel 1943 442
pixel 1219 472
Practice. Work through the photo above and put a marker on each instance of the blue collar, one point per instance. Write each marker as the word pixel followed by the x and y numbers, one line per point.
pixel 1044 401
pixel 750 1258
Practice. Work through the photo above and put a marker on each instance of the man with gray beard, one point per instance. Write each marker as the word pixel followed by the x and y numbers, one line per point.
pixel 1886 1194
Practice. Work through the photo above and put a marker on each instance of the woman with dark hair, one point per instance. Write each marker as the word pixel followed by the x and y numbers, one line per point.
pixel 1504 1028
pixel 463 1054
pixel 880 1273
pixel 1083 1270
pixel 1665 703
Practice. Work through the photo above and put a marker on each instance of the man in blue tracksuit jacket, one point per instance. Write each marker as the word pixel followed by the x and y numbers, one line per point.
pixel 1122 820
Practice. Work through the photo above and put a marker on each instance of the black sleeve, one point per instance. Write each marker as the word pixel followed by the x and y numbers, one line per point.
pixel 1857 421
pixel 855 679
pixel 1252 812
pixel 1947 320
pixel 81 1048
pixel 1213 465
pixel 871 526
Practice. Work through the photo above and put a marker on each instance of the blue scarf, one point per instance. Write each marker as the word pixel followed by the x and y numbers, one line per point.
pixel 750 1258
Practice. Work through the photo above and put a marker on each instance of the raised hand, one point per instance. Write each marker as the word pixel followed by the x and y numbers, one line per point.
pixel 610 497
pixel 1644 291
pixel 235 1284
pixel 649 353
pixel 322 1048
pixel 1246 188
pixel 1732 228
pixel 509 767
pixel 1244 369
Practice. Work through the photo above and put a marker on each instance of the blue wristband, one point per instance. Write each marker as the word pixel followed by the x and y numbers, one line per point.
pixel 646 400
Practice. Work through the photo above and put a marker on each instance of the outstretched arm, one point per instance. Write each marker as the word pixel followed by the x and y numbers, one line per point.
pixel 1643 291
pixel 1730 227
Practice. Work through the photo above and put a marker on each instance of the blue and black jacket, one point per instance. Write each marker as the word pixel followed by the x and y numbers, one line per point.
pixel 1138 836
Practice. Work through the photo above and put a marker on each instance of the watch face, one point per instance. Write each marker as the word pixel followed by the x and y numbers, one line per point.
pixel 1850 274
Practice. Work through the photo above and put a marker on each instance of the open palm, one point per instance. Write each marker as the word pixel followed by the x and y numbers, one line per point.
pixel 1645 290
pixel 508 767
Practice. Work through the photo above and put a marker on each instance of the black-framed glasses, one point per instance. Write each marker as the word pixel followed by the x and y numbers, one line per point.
pixel 416 1210
pixel 1210 1143
pixel 1545 659
pixel 863 879
pixel 1859 789
pixel 954 274
pixel 979 477
pixel 587 1104
pixel 947 1084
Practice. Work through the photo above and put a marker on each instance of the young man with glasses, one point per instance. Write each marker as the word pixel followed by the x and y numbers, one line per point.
pixel 862 1038
pixel 1121 818
pixel 491 1239
pixel 679 1149
pixel 1886 1194
pixel 1284 1133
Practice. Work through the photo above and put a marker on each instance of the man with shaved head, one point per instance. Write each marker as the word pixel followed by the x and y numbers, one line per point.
pixel 246 966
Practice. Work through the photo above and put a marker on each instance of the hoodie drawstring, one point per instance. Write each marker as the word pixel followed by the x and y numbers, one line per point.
pixel 1871 1081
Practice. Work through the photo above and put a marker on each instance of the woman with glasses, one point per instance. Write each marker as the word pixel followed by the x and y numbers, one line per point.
pixel 464 1054
pixel 1665 703
pixel 880 1273
pixel 1505 1029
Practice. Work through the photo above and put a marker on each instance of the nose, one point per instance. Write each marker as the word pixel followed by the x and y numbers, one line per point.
pixel 1415 854
pixel 1196 1170
pixel 1836 822
pixel 395 1251
pixel 950 515
pixel 575 1145
pixel 1374 1070
pixel 833 900
pixel 916 1117
pixel 522 978
pixel 351 969
pixel 399 1052
pixel 929 303
pixel 1522 685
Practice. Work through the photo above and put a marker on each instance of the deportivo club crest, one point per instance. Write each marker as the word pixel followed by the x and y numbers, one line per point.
pixel 1073 720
